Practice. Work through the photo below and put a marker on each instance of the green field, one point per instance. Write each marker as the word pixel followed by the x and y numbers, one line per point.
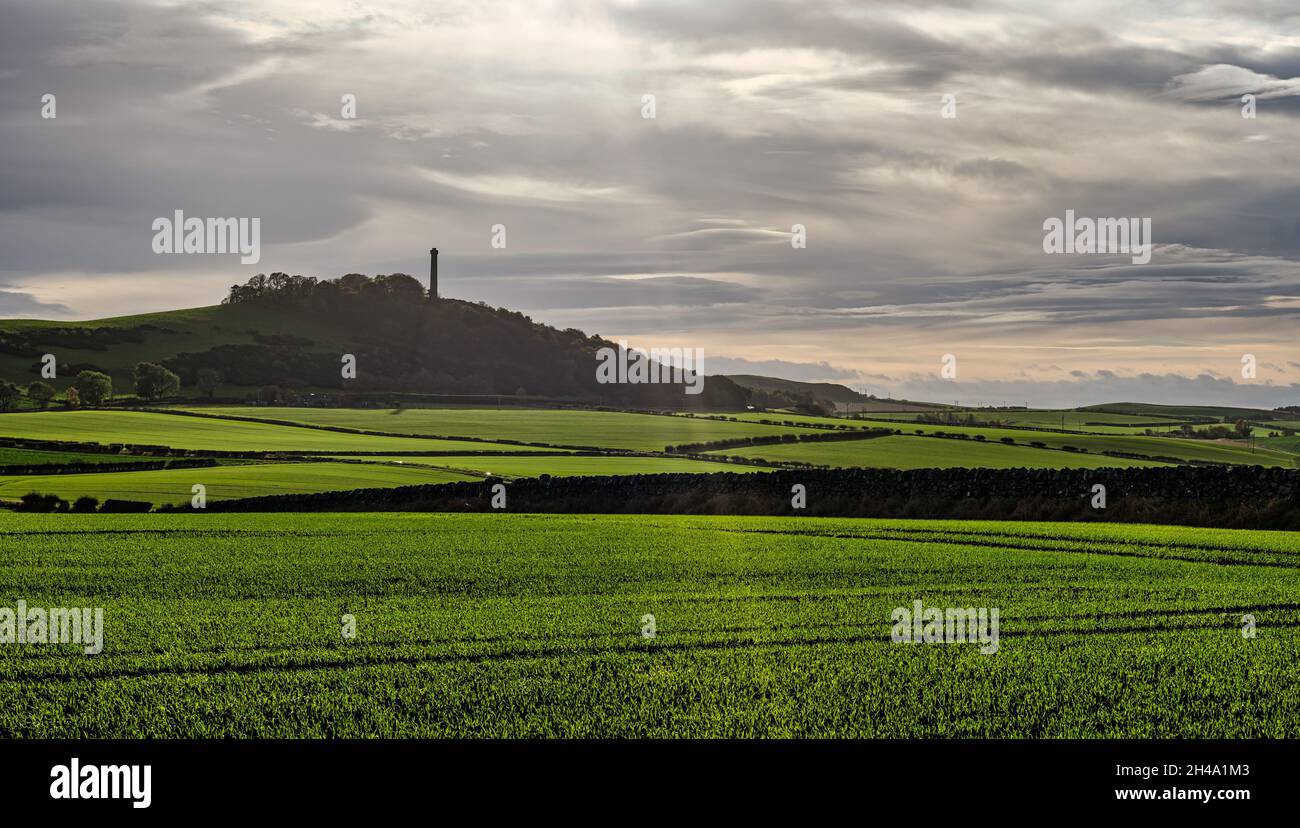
pixel 38 457
pixel 907 452
pixel 509 467
pixel 1218 412
pixel 1086 421
pixel 1173 447
pixel 803 419
pixel 653 432
pixel 225 482
pixel 1287 444
pixel 212 434
pixel 527 625
pixel 600 429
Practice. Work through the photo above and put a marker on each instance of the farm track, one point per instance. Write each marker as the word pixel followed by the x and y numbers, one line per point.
pixel 549 653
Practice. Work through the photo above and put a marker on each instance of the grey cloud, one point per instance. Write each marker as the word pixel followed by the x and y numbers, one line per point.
pixel 603 292
pixel 16 304
pixel 819 113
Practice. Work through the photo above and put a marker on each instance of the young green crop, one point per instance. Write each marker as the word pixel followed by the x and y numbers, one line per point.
pixel 580 465
pixel 227 482
pixel 531 625
pixel 601 429
pixel 213 434
pixel 914 452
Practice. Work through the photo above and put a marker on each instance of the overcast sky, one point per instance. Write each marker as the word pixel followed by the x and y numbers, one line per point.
pixel 924 233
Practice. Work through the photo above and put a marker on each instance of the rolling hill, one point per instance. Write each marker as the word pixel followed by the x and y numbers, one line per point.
pixel 826 394
pixel 291 340
pixel 1216 412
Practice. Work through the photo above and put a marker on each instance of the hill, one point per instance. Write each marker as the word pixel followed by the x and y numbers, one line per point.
pixel 285 336
pixel 1216 412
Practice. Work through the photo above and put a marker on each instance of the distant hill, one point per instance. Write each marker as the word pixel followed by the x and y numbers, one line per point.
pixel 827 394
pixel 1187 411
pixel 291 333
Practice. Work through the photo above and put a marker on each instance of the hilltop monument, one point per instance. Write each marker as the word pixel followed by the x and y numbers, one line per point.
pixel 433 273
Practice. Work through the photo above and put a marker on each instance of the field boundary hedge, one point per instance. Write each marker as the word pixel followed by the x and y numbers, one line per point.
pixel 773 439
pixel 145 450
pixel 87 468
pixel 347 429
pixel 1227 496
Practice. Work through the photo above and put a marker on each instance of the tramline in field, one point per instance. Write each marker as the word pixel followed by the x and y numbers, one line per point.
pixel 532 625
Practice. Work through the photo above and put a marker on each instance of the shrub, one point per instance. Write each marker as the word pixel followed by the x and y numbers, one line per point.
pixel 41 393
pixel 114 505
pixel 10 394
pixel 35 502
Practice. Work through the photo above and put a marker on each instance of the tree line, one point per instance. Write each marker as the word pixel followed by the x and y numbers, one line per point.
pixel 1244 496
pixel 95 388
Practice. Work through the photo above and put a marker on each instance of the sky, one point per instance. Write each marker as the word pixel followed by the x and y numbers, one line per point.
pixel 920 145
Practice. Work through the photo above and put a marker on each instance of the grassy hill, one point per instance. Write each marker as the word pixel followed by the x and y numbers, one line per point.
pixel 116 344
pixel 401 344
pixel 826 394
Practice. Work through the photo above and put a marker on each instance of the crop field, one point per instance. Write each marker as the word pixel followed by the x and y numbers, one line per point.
pixel 1079 420
pixel 526 625
pixel 212 434
pixel 509 467
pixel 1287 444
pixel 783 417
pixel 1157 410
pixel 37 457
pixel 910 452
pixel 225 482
pixel 1094 422
pixel 1184 449
pixel 602 429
